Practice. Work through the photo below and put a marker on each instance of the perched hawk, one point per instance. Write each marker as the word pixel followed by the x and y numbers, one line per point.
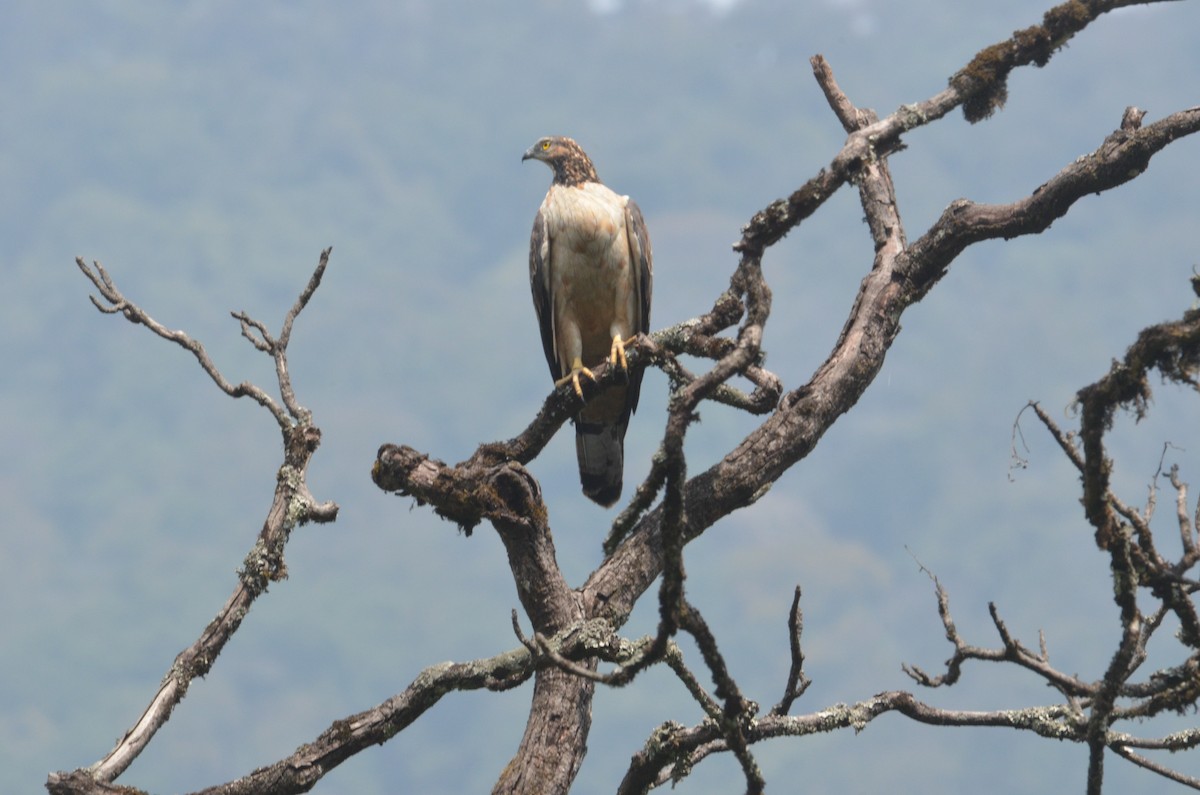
pixel 590 271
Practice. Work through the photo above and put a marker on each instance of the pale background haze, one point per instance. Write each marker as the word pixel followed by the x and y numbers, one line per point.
pixel 206 152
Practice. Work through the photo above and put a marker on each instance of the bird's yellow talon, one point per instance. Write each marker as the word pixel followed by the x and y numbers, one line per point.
pixel 572 378
pixel 617 355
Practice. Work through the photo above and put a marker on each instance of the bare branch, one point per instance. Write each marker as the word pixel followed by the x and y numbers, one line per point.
pixel 1155 767
pixel 292 505
pixel 1066 441
pixel 1171 348
pixel 894 284
pixel 738 712
pixel 1012 651
pixel 673 750
pixel 285 337
pixel 346 737
pixel 135 314
pixel 980 87
pixel 1121 157
pixel 643 498
pixel 573 630
pixel 797 680
pixel 852 118
pixel 255 331
pixel 1187 525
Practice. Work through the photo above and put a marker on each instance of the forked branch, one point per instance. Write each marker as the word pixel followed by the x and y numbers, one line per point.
pixel 293 505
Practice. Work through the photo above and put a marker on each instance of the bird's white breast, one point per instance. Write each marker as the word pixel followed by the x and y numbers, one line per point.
pixel 587 219
pixel 590 269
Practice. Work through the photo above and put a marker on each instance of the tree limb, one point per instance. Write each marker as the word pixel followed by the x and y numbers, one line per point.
pixel 291 506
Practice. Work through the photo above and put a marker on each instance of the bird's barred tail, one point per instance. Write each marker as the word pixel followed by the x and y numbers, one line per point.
pixel 600 448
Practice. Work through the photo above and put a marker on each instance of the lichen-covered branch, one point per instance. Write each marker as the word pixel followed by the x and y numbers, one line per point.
pixel 291 506
pixel 673 750
pixel 576 628
pixel 980 88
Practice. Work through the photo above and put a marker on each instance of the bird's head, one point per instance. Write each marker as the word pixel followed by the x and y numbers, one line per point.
pixel 570 163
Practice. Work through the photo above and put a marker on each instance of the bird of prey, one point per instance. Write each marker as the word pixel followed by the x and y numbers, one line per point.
pixel 590 272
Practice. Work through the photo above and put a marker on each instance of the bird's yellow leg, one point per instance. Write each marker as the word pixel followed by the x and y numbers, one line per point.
pixel 577 369
pixel 617 355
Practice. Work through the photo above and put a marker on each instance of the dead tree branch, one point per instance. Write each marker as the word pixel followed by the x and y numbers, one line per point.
pixel 292 505
pixel 647 543
pixel 575 628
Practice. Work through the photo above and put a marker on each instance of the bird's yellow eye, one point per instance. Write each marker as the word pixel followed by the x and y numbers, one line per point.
pixel 545 144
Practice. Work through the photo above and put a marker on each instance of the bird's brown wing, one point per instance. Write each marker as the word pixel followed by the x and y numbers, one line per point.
pixel 641 261
pixel 539 284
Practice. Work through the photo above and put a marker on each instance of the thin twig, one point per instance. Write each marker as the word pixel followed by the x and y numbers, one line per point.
pixel 135 314
pixel 292 505
pixel 797 680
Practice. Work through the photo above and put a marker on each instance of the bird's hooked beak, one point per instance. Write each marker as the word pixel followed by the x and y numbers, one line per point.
pixel 532 153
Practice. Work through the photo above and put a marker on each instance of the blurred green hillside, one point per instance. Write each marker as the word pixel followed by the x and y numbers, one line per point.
pixel 206 152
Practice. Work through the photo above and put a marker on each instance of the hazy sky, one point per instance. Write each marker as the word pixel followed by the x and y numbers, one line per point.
pixel 206 153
